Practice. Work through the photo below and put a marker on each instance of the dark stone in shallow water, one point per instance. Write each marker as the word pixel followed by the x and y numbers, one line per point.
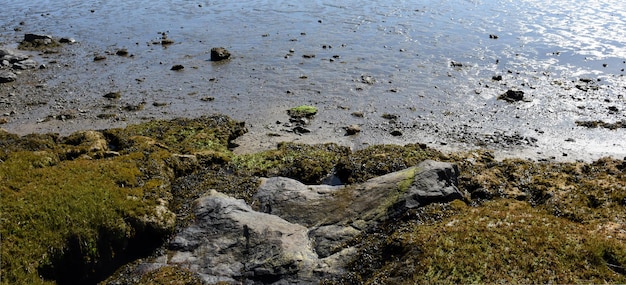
pixel 512 96
pixel 219 53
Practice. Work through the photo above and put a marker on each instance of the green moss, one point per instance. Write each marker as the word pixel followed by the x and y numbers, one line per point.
pixel 505 241
pixel 382 159
pixel 310 164
pixel 302 111
pixel 183 135
pixel 46 205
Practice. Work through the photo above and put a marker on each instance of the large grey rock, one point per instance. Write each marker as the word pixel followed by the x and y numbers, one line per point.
pixel 371 202
pixel 433 182
pixel 229 241
pixel 296 233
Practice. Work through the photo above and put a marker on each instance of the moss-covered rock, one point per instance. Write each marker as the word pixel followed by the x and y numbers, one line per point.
pixel 382 159
pixel 310 164
pixel 303 111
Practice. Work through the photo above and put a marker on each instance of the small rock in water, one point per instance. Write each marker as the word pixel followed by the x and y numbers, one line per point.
pixel 512 96
pixel 352 130
pixel 122 52
pixel 367 79
pixel 67 40
pixel 219 53
pixel 113 95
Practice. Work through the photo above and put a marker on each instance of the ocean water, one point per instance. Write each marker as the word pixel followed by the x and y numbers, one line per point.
pixel 431 62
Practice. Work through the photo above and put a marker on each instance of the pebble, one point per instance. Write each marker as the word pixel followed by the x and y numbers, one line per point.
pixel 352 130
pixel 7 76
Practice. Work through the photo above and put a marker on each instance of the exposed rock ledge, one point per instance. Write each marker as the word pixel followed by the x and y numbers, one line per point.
pixel 294 233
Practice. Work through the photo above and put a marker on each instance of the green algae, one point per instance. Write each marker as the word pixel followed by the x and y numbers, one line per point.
pixel 302 111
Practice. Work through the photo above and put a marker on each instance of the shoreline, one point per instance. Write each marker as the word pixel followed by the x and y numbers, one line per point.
pixel 61 97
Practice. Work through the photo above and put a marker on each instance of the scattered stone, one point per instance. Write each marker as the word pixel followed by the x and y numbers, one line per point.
pixel 122 52
pixel 352 130
pixel 602 124
pixel 25 64
pixel 166 41
pixel 492 36
pixel 390 116
pixel 177 67
pixel 67 40
pixel 133 108
pixel 396 133
pixel 99 58
pixel 308 55
pixel 159 104
pixel 208 99
pixel 358 114
pixel 38 39
pixel 219 53
pixel 301 130
pixel 113 95
pixel 613 109
pixel 456 64
pixel 7 76
pixel 497 77
pixel 512 96
pixel 367 79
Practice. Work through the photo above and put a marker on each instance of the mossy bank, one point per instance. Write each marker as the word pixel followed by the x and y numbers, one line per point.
pixel 77 208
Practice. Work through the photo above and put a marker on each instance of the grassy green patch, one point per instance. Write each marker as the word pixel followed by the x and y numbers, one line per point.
pixel 502 241
pixel 45 204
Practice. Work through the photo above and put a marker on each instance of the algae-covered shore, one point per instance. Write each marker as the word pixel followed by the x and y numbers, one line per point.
pixel 75 208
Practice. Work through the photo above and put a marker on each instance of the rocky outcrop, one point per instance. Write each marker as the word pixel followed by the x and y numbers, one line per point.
pixel 295 233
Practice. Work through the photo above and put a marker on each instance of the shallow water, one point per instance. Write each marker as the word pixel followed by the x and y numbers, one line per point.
pixel 541 48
